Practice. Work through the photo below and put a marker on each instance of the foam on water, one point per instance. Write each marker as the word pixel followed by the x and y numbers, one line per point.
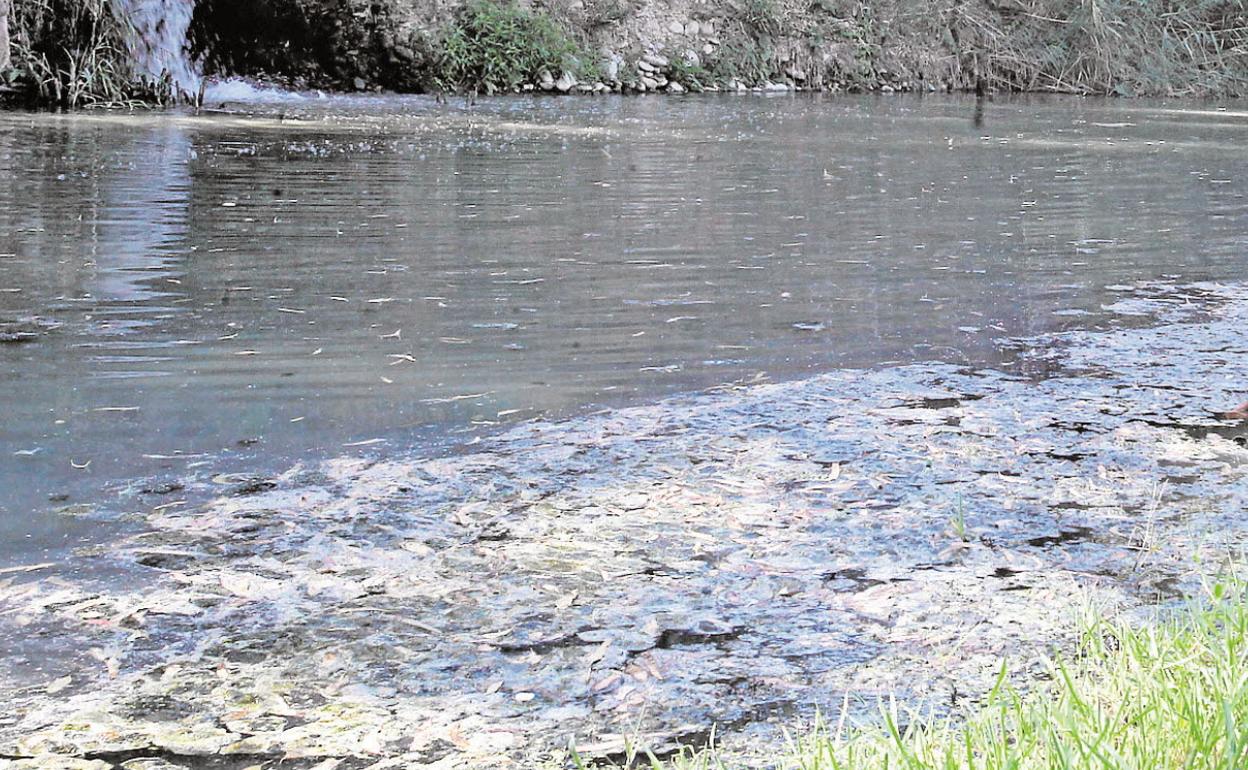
pixel 158 40
pixel 240 90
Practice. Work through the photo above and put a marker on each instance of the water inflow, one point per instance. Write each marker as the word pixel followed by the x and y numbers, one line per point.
pixel 158 41
pixel 241 288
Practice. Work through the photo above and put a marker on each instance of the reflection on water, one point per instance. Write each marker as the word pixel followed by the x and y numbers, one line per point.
pixel 389 275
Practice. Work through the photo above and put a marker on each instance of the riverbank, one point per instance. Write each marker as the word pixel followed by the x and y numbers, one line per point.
pixel 85 53
pixel 735 559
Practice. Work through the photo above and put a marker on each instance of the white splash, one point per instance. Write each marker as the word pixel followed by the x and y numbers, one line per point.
pixel 241 90
pixel 159 41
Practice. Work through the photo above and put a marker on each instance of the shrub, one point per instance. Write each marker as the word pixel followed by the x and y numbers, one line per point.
pixel 743 58
pixel 499 46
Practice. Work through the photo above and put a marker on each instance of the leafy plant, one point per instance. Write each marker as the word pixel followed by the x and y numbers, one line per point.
pixel 743 58
pixel 689 74
pixel 498 45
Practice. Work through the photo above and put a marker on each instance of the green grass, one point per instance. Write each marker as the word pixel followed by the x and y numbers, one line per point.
pixel 499 45
pixel 1165 695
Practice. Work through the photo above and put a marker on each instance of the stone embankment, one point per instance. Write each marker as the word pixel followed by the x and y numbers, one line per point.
pixel 730 559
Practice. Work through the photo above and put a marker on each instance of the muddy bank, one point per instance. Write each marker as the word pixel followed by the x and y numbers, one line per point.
pixel 733 559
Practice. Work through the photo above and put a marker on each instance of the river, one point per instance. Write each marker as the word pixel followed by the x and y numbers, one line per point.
pixel 225 293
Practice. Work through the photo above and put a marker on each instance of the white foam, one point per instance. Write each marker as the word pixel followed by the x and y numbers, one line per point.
pixel 240 90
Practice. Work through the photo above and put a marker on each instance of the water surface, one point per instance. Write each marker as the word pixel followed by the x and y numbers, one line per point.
pixel 259 284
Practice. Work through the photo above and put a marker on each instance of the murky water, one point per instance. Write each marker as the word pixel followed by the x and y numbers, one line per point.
pixel 319 277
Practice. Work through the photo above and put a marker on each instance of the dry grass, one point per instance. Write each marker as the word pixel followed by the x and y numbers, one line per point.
pixel 72 53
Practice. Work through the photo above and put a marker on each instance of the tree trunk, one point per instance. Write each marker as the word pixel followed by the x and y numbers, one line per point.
pixel 5 58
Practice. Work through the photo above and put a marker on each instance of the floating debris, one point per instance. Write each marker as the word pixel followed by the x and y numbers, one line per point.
pixel 25 329
pixel 656 570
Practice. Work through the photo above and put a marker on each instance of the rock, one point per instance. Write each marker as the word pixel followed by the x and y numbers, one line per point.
pixel 151 763
pixel 675 88
pixel 795 74
pixel 692 58
pixel 707 27
pixel 708 49
pixel 676 28
pixel 658 61
pixel 359 84
pixel 769 86
pixel 546 81
pixel 645 66
pixel 404 53
pixel 886 89
pixel 692 29
pixel 611 68
pixel 649 82
pixel 565 82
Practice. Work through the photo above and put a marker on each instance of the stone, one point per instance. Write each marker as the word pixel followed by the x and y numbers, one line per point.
pixel 777 87
pixel 645 66
pixel 656 60
pixel 359 84
pixel 707 26
pixel 708 49
pixel 565 83
pixel 795 74
pixel 675 88
pixel 691 57
pixel 692 29
pixel 649 83
pixel 546 80
pixel 676 28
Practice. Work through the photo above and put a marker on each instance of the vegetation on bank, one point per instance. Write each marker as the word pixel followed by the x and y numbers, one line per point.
pixel 497 46
pixel 73 52
pixel 1169 695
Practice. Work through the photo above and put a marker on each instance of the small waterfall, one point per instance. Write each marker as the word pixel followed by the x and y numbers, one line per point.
pixel 159 41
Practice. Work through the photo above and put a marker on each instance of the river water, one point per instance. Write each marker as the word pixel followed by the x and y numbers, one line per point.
pixel 225 293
